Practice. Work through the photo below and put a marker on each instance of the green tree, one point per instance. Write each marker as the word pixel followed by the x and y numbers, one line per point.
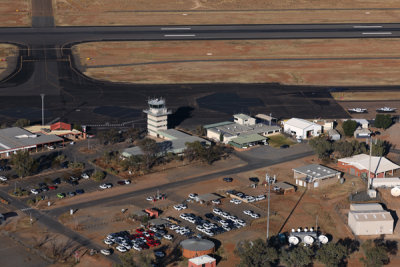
pixel 150 150
pixel 98 176
pixel 132 134
pixel 332 254
pixel 22 123
pixel 376 255
pixel 132 163
pixel 256 253
pixel 322 147
pixel 200 130
pixel 111 136
pixel 298 256
pixel 383 121
pixel 24 164
pixel 349 127
pixel 380 148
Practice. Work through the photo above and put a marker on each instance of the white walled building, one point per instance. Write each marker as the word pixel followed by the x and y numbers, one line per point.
pixel 370 219
pixel 157 116
pixel 244 119
pixel 302 129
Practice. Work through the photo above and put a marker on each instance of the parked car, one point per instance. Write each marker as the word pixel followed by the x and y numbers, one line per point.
pixel 71 194
pixel 121 249
pixel 60 195
pixel 105 186
pixel 52 187
pixel 284 146
pixel 254 179
pixel 85 175
pixel 35 191
pixel 216 201
pixel 80 191
pixel 56 181
pixel 3 178
pixel 227 179
pixel 105 252
pixel 192 195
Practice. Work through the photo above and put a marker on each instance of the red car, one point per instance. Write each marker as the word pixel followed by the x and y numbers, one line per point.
pixel 140 230
pixel 52 187
pixel 150 232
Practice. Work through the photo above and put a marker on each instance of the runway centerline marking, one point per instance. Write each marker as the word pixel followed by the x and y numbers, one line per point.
pixel 179 35
pixel 176 28
pixel 377 33
pixel 372 26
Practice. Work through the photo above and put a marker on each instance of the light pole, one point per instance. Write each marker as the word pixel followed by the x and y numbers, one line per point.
pixel 42 96
pixel 267 179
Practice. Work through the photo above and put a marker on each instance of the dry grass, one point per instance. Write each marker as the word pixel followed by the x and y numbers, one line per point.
pixel 156 12
pixel 15 13
pixel 7 51
pixel 338 62
pixel 366 96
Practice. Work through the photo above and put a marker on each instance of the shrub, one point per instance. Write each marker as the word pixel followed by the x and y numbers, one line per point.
pixel 98 176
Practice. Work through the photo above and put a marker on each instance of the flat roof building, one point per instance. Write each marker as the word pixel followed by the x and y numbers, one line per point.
pixel 370 219
pixel 315 175
pixel 243 132
pixel 175 142
pixel 202 261
pixel 15 138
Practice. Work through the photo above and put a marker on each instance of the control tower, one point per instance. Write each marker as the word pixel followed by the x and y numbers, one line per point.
pixel 157 116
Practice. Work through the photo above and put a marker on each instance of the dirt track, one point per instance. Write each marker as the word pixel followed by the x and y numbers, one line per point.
pixel 15 13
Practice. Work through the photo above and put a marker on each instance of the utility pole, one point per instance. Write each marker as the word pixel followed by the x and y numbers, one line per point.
pixel 267 179
pixel 369 163
pixel 42 96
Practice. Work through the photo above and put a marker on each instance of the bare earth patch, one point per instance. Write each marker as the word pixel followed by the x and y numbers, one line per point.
pixel 15 13
pixel 7 59
pixel 156 12
pixel 338 62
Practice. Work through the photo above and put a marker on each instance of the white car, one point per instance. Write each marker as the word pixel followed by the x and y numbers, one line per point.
pixel 174 227
pixel 34 191
pixel 251 199
pixel 136 247
pixel 127 181
pixel 178 207
pixel 183 216
pixel 237 201
pixel 85 175
pixel 226 228
pixel 216 201
pixel 255 215
pixel 121 249
pixel 217 211
pixel 105 186
pixel 224 214
pixel 192 195
pixel 200 228
pixel 260 197
pixel 247 212
pixel 108 242
pixel 3 178
pixel 105 252
pixel 149 198
pixel 168 237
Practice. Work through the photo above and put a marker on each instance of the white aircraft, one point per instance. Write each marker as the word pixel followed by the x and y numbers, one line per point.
pixel 386 109
pixel 357 110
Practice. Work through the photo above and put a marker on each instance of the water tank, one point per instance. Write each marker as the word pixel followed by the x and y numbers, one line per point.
pixel 395 191
pixel 298 230
pixel 294 240
pixel 306 229
pixel 293 230
pixel 308 240
pixel 323 239
pixel 311 229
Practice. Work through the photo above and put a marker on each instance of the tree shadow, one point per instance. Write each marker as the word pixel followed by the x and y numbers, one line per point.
pixel 181 114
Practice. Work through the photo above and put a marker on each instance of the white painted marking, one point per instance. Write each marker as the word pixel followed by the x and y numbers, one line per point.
pixel 179 35
pixel 372 26
pixel 184 14
pixel 25 209
pixel 175 29
pixel 209 54
pixel 377 33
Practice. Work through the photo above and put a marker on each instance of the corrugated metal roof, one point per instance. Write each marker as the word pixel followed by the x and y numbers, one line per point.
pixel 241 140
pixel 316 171
pixel 378 164
pixel 300 123
pixel 202 260
pixel 15 137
